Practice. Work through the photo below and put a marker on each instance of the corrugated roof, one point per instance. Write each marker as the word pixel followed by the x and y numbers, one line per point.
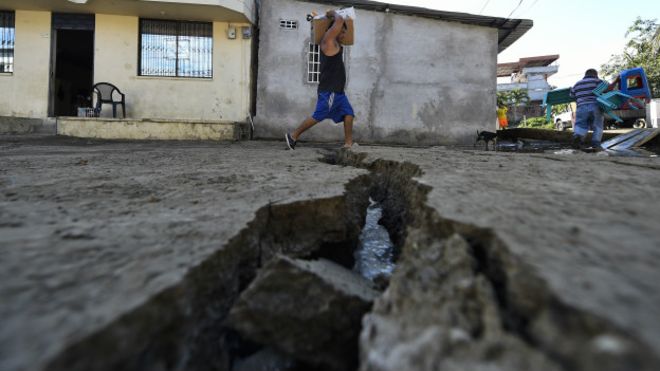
pixel 509 30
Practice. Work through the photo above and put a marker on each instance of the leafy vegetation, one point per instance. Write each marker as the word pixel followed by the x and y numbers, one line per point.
pixel 642 50
pixel 515 97
pixel 560 108
pixel 537 123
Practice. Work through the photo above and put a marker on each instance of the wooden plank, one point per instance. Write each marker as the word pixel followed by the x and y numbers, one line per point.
pixel 542 134
pixel 649 138
pixel 620 138
pixel 642 136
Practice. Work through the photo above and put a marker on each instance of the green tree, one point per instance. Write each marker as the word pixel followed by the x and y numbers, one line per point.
pixel 515 100
pixel 519 97
pixel 503 98
pixel 515 97
pixel 642 50
pixel 560 108
pixel 656 42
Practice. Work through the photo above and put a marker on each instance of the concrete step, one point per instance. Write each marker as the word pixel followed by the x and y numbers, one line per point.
pixel 25 125
pixel 151 129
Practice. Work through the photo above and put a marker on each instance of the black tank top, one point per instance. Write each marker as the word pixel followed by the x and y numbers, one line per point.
pixel 333 73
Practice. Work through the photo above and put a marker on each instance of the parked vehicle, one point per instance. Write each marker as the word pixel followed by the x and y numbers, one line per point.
pixel 653 114
pixel 632 82
pixel 624 101
pixel 564 120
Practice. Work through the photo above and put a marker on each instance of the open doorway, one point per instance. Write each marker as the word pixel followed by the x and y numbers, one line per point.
pixel 72 63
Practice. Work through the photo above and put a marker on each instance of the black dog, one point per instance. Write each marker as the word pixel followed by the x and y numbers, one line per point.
pixel 485 136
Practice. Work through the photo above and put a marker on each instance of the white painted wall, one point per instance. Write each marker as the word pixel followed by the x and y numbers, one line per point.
pixel 24 93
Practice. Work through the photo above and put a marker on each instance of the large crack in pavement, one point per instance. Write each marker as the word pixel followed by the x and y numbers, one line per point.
pixel 458 299
pixel 182 328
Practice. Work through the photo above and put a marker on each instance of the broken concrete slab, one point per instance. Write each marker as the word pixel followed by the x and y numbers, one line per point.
pixel 440 313
pixel 152 213
pixel 564 323
pixel 310 310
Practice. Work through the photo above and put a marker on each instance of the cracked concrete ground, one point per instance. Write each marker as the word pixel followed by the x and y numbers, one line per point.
pixel 91 230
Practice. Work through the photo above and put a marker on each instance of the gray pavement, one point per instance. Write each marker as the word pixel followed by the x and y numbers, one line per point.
pixel 92 230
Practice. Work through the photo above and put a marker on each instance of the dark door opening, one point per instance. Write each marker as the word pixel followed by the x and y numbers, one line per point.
pixel 72 64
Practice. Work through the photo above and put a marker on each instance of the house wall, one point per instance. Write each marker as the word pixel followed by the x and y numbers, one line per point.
pixel 532 79
pixel 226 96
pixel 411 80
pixel 24 93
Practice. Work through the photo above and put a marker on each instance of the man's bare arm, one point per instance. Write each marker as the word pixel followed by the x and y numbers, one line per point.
pixel 329 44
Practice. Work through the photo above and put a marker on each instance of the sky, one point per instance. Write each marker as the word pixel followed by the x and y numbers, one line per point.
pixel 585 33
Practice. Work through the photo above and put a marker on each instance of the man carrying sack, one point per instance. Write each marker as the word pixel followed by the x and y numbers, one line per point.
pixel 332 102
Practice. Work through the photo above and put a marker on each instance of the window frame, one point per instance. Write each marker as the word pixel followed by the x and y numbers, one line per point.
pixel 634 82
pixel 9 67
pixel 314 74
pixel 313 60
pixel 176 53
pixel 289 24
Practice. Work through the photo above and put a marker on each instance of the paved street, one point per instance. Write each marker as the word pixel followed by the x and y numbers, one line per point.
pixel 90 230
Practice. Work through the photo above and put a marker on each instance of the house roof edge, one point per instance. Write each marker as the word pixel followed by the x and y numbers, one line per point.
pixel 509 29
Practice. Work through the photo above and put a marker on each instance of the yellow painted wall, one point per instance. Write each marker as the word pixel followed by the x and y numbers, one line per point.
pixel 226 96
pixel 223 97
pixel 24 93
pixel 146 129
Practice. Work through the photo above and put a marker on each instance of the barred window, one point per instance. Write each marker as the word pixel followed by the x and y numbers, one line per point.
pixel 313 63
pixel 7 39
pixel 176 48
pixel 288 24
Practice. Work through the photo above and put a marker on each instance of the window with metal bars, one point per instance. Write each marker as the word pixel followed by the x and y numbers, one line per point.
pixel 313 63
pixel 176 48
pixel 7 39
pixel 288 24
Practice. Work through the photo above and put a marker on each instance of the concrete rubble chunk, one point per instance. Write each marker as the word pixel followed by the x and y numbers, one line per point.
pixel 311 310
pixel 438 314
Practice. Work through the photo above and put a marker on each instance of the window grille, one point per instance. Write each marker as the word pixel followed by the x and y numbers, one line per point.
pixel 313 63
pixel 176 48
pixel 7 39
pixel 288 24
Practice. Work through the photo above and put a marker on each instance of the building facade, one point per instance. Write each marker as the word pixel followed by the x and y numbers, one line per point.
pixel 415 76
pixel 529 74
pixel 172 60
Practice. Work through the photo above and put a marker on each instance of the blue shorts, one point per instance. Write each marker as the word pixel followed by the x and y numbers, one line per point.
pixel 332 106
